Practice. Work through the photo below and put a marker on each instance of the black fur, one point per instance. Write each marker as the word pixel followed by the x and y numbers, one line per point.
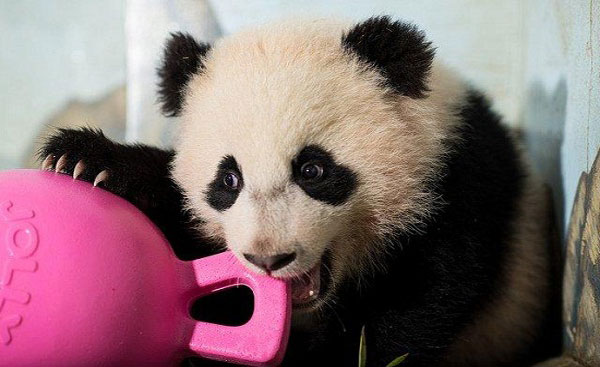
pixel 182 59
pixel 337 183
pixel 220 196
pixel 437 280
pixel 398 50
pixel 138 173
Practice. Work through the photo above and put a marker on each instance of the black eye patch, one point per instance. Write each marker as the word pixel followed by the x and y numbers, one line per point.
pixel 334 186
pixel 220 196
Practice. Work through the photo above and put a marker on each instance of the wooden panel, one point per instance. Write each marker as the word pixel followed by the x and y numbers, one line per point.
pixel 581 303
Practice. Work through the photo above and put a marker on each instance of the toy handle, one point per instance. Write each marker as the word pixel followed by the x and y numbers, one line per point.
pixel 263 339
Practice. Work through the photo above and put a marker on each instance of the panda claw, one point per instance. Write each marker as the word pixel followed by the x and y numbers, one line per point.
pixel 78 170
pixel 101 177
pixel 47 163
pixel 62 161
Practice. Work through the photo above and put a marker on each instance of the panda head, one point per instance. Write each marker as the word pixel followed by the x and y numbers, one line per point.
pixel 304 145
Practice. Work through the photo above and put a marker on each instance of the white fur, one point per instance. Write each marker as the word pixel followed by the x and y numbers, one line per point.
pixel 268 92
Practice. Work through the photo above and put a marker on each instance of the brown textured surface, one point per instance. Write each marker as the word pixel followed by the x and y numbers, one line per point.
pixel 582 272
pixel 560 362
pixel 581 311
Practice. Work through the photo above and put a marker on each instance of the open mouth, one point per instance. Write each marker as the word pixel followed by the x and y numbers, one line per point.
pixel 309 288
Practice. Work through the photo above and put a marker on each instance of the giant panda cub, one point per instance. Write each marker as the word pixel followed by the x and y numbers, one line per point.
pixel 346 159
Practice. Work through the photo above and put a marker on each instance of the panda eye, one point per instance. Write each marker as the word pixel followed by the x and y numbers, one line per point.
pixel 311 171
pixel 231 180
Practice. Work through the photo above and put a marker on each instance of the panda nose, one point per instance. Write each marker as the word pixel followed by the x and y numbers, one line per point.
pixel 271 263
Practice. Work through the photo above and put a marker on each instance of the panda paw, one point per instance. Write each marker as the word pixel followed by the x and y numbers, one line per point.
pixel 139 173
pixel 85 154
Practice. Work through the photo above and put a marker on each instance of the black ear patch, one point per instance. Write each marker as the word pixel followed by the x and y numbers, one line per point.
pixel 182 59
pixel 399 50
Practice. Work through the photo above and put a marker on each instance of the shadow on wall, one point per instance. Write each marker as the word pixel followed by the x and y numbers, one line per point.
pixel 544 122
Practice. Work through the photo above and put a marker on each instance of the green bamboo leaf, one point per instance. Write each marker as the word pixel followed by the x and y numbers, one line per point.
pixel 362 350
pixel 397 361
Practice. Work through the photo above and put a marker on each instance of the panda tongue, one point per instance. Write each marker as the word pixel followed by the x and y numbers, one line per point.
pixel 306 288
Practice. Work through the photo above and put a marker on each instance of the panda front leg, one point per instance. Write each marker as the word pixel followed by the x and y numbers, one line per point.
pixel 138 173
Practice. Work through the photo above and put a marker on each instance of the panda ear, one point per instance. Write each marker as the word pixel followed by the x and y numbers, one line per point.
pixel 398 50
pixel 183 57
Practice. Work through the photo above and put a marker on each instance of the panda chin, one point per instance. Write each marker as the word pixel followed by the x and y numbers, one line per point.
pixel 309 288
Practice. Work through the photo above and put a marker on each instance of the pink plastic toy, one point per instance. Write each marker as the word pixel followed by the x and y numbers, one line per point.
pixel 87 280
